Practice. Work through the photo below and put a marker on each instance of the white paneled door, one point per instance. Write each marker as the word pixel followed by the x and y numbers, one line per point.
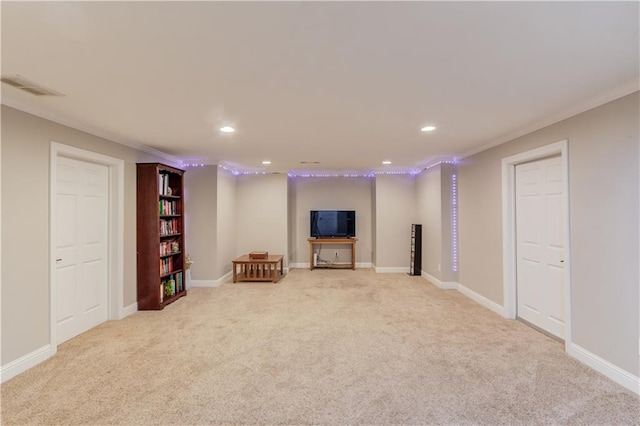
pixel 540 244
pixel 81 272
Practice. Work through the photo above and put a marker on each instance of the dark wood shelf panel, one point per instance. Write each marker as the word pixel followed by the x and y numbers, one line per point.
pixel 163 256
pixel 168 274
pixel 170 197
pixel 169 216
pixel 173 298
pixel 169 235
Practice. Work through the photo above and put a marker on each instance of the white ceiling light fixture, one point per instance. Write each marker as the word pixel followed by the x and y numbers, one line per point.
pixel 227 129
pixel 428 128
pixel 386 162
pixel 266 162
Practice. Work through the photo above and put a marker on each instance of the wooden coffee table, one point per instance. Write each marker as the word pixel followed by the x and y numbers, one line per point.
pixel 247 269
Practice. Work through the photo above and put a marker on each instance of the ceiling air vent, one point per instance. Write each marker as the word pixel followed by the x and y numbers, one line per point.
pixel 29 86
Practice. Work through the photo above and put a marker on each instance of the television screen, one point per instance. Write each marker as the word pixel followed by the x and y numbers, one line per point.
pixel 333 223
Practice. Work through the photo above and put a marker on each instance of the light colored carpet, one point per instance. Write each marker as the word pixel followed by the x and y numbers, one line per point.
pixel 319 347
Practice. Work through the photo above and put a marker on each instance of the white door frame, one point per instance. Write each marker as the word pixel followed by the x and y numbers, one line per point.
pixel 115 239
pixel 509 228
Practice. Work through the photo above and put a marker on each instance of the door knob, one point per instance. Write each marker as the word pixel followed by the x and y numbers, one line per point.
pixel 59 260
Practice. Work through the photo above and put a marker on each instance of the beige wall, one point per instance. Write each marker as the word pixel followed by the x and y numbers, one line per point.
pixel 226 220
pixel 211 222
pixel 395 211
pixel 435 206
pixel 25 230
pixel 292 246
pixel 603 203
pixel 333 193
pixel 374 221
pixel 261 214
pixel 201 195
pixel 429 205
pixel 272 214
pixel 448 272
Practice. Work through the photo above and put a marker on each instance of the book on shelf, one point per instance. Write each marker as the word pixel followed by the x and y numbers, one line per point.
pixel 167 207
pixel 163 183
pixel 166 265
pixel 169 247
pixel 169 286
pixel 169 227
pixel 166 185
pixel 179 281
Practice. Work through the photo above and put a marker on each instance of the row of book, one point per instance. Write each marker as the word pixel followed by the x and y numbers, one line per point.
pixel 166 266
pixel 169 226
pixel 169 247
pixel 167 207
pixel 171 285
pixel 163 184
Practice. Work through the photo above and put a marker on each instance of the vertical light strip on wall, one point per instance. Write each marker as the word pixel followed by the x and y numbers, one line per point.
pixel 454 219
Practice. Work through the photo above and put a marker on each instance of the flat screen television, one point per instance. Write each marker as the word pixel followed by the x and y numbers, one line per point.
pixel 333 223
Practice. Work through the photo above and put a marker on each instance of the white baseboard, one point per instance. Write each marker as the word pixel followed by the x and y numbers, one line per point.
pixel 212 283
pixel 604 367
pixel 392 269
pixel 489 304
pixel 452 285
pixel 25 362
pixel 223 279
pixel 305 265
pixel 205 283
pixel 444 285
pixel 128 310
pixel 433 280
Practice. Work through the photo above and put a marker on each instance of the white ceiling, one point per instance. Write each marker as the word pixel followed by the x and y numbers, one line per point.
pixel 346 84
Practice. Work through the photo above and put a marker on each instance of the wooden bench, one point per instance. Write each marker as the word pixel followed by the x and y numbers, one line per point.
pixel 247 269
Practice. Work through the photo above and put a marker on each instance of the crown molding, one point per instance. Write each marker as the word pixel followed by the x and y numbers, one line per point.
pixel 620 91
pixel 66 121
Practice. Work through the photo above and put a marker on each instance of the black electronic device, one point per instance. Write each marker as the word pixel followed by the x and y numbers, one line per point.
pixel 333 223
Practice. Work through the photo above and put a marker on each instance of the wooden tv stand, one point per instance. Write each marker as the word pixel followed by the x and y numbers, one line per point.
pixel 319 241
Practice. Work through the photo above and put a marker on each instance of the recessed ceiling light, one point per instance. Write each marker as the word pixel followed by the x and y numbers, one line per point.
pixel 266 162
pixel 428 129
pixel 227 129
pixel 386 162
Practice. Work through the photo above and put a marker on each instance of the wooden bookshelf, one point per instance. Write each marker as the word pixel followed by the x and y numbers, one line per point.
pixel 160 235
